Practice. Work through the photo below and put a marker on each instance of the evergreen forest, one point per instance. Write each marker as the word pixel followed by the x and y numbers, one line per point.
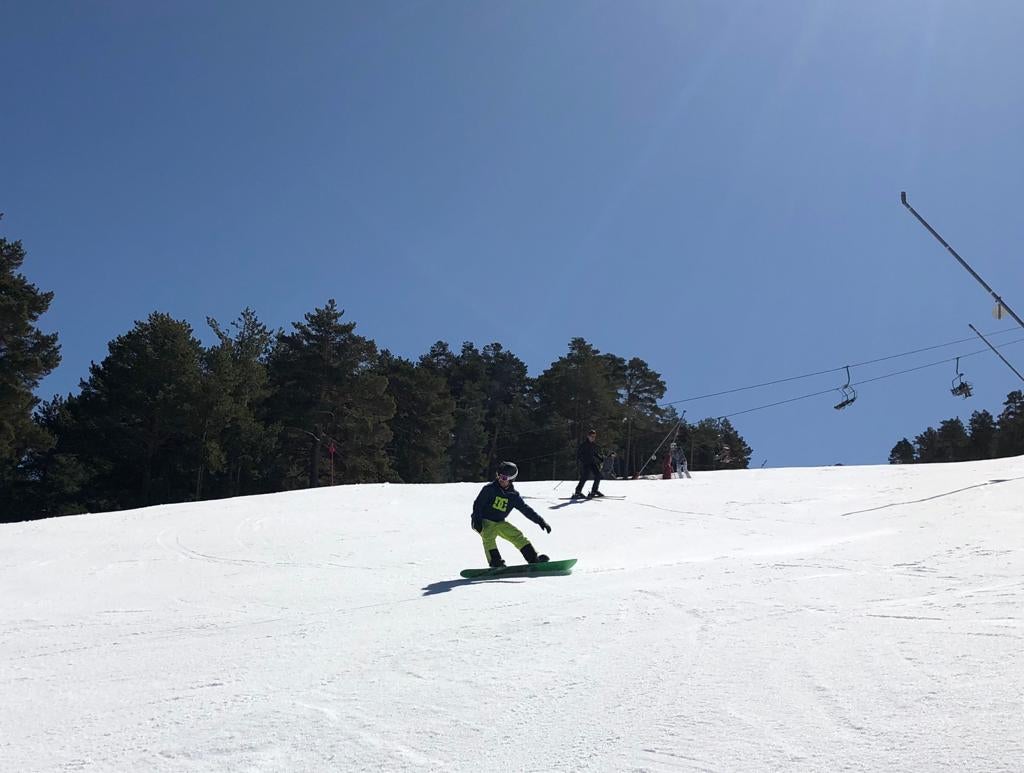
pixel 985 437
pixel 163 418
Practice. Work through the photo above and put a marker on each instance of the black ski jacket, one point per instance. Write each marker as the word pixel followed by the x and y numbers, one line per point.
pixel 493 503
pixel 587 454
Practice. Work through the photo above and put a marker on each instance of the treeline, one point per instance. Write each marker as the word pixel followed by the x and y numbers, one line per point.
pixel 985 437
pixel 164 418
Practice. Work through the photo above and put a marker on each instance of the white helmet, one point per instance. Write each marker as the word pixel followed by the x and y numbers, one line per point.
pixel 508 470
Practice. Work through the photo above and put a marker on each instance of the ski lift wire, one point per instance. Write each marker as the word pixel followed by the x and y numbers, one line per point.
pixel 819 373
pixel 858 383
pixel 830 370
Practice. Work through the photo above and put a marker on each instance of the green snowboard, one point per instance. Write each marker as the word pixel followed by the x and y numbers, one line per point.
pixel 522 570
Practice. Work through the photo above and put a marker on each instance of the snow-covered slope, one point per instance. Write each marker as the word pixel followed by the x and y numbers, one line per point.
pixel 861 618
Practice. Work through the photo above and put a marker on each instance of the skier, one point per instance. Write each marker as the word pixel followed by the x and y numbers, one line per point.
pixel 490 510
pixel 679 458
pixel 589 459
pixel 608 466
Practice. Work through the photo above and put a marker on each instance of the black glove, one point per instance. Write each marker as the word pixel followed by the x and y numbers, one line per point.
pixel 476 523
pixel 544 525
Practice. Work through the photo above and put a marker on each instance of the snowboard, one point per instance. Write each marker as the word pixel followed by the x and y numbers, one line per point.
pixel 523 570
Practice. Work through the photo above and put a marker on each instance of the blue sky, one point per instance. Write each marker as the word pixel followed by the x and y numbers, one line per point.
pixel 713 187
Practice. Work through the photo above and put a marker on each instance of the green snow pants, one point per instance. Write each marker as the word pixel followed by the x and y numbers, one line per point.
pixel 494 529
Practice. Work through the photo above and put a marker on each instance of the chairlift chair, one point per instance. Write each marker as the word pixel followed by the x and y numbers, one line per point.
pixel 960 388
pixel 848 392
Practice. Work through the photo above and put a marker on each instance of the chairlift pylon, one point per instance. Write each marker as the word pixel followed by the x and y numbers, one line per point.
pixel 848 392
pixel 960 388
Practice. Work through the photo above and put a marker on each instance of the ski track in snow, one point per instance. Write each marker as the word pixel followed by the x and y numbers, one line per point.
pixel 818 619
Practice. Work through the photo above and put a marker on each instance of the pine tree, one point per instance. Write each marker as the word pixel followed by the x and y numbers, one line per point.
pixel 328 391
pixel 422 425
pixel 733 452
pixel 982 430
pixel 954 440
pixel 704 445
pixel 61 477
pixel 929 447
pixel 576 393
pixel 714 444
pixel 641 424
pixel 1010 436
pixel 508 422
pixel 466 376
pixel 135 423
pixel 902 453
pixel 237 444
pixel 26 356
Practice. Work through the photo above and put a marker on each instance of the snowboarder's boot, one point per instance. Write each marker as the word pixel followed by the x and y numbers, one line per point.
pixel 531 555
pixel 494 559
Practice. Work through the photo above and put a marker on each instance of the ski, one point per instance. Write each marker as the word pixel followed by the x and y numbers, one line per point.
pixel 522 570
pixel 585 499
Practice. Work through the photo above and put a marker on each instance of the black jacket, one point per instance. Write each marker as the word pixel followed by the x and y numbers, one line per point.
pixel 493 503
pixel 587 454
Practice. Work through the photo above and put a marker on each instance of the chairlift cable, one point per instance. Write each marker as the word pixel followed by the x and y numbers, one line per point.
pixel 817 373
pixel 859 383
pixel 830 370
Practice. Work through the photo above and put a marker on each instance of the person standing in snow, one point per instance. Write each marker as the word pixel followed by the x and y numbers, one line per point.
pixel 490 509
pixel 589 459
pixel 679 458
pixel 608 466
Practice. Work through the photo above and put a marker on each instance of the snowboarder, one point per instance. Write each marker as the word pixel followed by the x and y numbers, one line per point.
pixel 490 509
pixel 589 459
